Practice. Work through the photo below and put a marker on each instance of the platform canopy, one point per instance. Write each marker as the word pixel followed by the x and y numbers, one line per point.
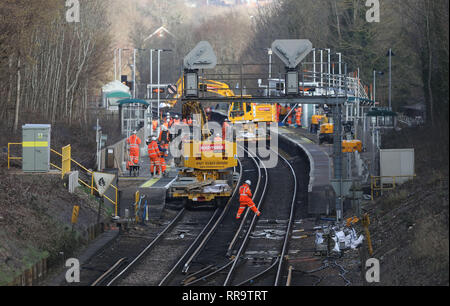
pixel 133 101
pixel 118 94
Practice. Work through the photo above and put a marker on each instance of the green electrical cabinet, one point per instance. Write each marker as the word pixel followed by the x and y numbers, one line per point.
pixel 36 147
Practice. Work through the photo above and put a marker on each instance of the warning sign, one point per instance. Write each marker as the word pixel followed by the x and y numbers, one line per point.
pixel 103 181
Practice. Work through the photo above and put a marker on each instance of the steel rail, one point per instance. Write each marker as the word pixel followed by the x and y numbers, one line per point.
pixel 215 226
pixel 151 245
pixel 236 236
pixel 289 227
pixel 247 236
pixel 176 266
pixel 109 272
pixel 281 257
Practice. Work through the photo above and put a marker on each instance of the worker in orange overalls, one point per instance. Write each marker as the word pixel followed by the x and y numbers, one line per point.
pixel 245 200
pixel 298 116
pixel 153 154
pixel 162 161
pixel 133 142
pixel 225 128
pixel 164 137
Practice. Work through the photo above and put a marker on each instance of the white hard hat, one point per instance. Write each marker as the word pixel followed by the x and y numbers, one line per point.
pixel 248 182
pixel 176 116
pixel 153 138
pixel 134 132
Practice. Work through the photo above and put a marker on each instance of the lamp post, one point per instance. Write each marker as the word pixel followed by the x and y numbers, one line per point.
pixel 390 54
pixel 270 52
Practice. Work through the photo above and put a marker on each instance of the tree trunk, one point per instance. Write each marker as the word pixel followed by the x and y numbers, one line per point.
pixel 16 117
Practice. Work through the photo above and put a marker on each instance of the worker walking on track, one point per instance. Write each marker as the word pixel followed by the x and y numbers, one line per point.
pixel 133 142
pixel 154 155
pixel 245 200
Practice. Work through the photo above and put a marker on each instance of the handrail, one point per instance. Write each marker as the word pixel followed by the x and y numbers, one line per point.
pixel 90 186
pixel 375 187
pixel 12 157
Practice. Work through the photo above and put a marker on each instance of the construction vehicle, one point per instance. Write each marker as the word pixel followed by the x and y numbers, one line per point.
pixel 326 133
pixel 206 165
pixel 246 113
pixel 349 144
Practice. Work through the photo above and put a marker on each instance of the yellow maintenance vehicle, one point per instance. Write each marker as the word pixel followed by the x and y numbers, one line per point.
pixel 206 165
pixel 327 133
pixel 244 112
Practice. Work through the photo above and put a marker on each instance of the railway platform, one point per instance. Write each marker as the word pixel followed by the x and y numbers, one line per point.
pixel 320 191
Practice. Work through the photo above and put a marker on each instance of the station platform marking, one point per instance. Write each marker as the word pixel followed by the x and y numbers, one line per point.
pixel 150 183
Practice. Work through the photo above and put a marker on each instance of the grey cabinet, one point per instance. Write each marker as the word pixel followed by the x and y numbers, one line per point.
pixel 36 147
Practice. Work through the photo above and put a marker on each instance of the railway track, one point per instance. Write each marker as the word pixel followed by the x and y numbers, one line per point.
pixel 221 251
pixel 126 271
pixel 242 267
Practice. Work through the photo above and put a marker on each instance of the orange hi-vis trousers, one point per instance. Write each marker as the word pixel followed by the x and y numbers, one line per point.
pixel 155 164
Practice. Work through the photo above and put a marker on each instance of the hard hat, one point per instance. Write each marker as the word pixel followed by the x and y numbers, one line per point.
pixel 176 116
pixel 134 132
pixel 153 138
pixel 248 182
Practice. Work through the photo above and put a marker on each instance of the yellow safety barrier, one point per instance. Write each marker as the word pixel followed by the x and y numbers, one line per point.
pixel 66 157
pixel 9 153
pixel 66 167
pixel 376 183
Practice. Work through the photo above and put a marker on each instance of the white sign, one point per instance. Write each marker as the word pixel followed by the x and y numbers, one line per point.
pixel 172 89
pixel 103 181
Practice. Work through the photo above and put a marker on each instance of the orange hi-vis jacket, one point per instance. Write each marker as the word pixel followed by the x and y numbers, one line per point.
pixel 298 115
pixel 245 194
pixel 134 142
pixel 153 150
pixel 155 125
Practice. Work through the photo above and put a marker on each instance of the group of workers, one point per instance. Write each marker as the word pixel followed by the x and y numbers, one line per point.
pixel 157 146
pixel 290 111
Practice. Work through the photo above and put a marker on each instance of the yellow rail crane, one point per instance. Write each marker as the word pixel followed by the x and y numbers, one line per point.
pixel 206 165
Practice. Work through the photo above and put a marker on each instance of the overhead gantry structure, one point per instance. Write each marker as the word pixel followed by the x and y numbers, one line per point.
pixel 299 83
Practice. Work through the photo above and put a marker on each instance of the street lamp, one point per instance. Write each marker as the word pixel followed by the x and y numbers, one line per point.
pixel 390 54
pixel 270 52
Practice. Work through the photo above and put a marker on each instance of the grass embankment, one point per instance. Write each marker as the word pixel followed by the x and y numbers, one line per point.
pixel 409 226
pixel 35 221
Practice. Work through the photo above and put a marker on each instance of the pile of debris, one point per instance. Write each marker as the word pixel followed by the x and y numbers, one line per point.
pixel 337 238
